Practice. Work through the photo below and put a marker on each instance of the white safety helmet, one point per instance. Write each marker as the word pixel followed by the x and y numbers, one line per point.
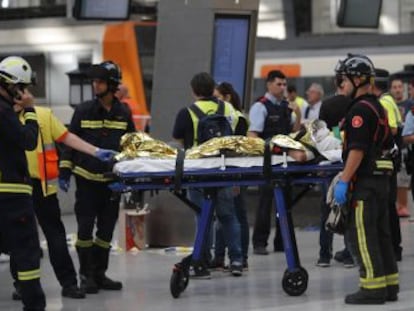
pixel 15 70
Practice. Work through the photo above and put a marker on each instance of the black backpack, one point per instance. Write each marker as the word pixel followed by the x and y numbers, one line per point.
pixel 211 125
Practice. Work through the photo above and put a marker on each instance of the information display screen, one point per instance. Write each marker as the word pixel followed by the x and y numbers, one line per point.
pixel 356 13
pixel 102 9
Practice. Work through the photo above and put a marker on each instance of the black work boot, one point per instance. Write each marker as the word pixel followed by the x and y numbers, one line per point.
pixel 367 297
pixel 101 256
pixel 86 270
pixel 17 293
pixel 103 282
pixel 88 285
pixel 392 292
pixel 73 291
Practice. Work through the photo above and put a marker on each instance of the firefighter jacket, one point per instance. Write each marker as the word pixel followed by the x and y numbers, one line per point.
pixel 101 128
pixel 43 161
pixel 366 128
pixel 15 138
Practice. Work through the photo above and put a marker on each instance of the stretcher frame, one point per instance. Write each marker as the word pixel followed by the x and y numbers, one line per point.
pixel 279 177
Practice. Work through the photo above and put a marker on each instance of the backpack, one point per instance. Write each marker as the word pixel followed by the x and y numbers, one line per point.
pixel 211 125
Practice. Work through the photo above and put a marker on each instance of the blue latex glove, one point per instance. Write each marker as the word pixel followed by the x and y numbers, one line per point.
pixel 105 155
pixel 64 184
pixel 340 192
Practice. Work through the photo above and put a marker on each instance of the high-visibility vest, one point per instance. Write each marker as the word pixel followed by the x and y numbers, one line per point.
pixel 43 161
pixel 208 106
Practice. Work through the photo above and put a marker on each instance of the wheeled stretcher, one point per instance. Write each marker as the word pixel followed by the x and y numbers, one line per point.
pixel 210 173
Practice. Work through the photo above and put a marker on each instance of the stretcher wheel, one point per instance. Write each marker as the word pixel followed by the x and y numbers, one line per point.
pixel 295 283
pixel 179 280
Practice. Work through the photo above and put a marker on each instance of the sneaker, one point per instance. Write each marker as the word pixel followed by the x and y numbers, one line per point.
pixel 339 256
pixel 236 268
pixel 217 264
pixel 366 297
pixel 323 262
pixel 73 291
pixel 348 262
pixel 245 265
pixel 260 250
pixel 200 272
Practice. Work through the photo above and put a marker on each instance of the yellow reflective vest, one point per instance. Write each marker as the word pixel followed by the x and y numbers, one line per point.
pixel 43 161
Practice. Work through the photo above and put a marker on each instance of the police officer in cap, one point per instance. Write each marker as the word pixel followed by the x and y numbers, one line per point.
pixel 365 181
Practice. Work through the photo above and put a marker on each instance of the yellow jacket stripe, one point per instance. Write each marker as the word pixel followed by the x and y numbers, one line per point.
pixel 66 164
pixel 384 164
pixel 362 241
pixel 373 283
pixel 102 243
pixel 84 243
pixel 391 279
pixel 15 188
pixel 30 116
pixel 90 176
pixel 28 275
pixel 104 124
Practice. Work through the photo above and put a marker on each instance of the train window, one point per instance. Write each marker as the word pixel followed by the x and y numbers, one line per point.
pixel 38 64
pixel 145 36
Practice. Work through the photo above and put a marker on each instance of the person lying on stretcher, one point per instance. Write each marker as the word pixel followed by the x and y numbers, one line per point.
pixel 312 142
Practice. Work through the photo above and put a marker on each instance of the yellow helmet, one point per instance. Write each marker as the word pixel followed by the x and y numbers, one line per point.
pixel 15 70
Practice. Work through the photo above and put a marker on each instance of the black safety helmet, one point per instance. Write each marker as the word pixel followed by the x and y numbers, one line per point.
pixel 107 71
pixel 356 65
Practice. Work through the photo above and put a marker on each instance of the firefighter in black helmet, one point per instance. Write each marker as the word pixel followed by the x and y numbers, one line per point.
pixel 365 181
pixel 101 122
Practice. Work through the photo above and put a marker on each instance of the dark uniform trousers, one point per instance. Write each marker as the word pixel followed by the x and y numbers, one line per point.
pixel 263 218
pixel 370 236
pixel 19 231
pixel 95 202
pixel 49 217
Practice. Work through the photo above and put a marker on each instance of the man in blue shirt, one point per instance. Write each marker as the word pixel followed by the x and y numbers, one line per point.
pixel 270 115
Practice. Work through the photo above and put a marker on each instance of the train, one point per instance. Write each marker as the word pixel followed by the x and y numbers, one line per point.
pixel 56 48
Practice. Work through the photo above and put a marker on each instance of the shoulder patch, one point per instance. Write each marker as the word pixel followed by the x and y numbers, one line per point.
pixel 357 121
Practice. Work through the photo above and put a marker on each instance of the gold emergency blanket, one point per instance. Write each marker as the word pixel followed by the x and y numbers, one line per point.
pixel 140 144
pixel 229 145
pixel 298 140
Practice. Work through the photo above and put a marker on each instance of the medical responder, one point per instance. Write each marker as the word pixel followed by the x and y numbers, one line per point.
pixel 101 122
pixel 365 180
pixel 43 169
pixel 17 218
pixel 186 133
